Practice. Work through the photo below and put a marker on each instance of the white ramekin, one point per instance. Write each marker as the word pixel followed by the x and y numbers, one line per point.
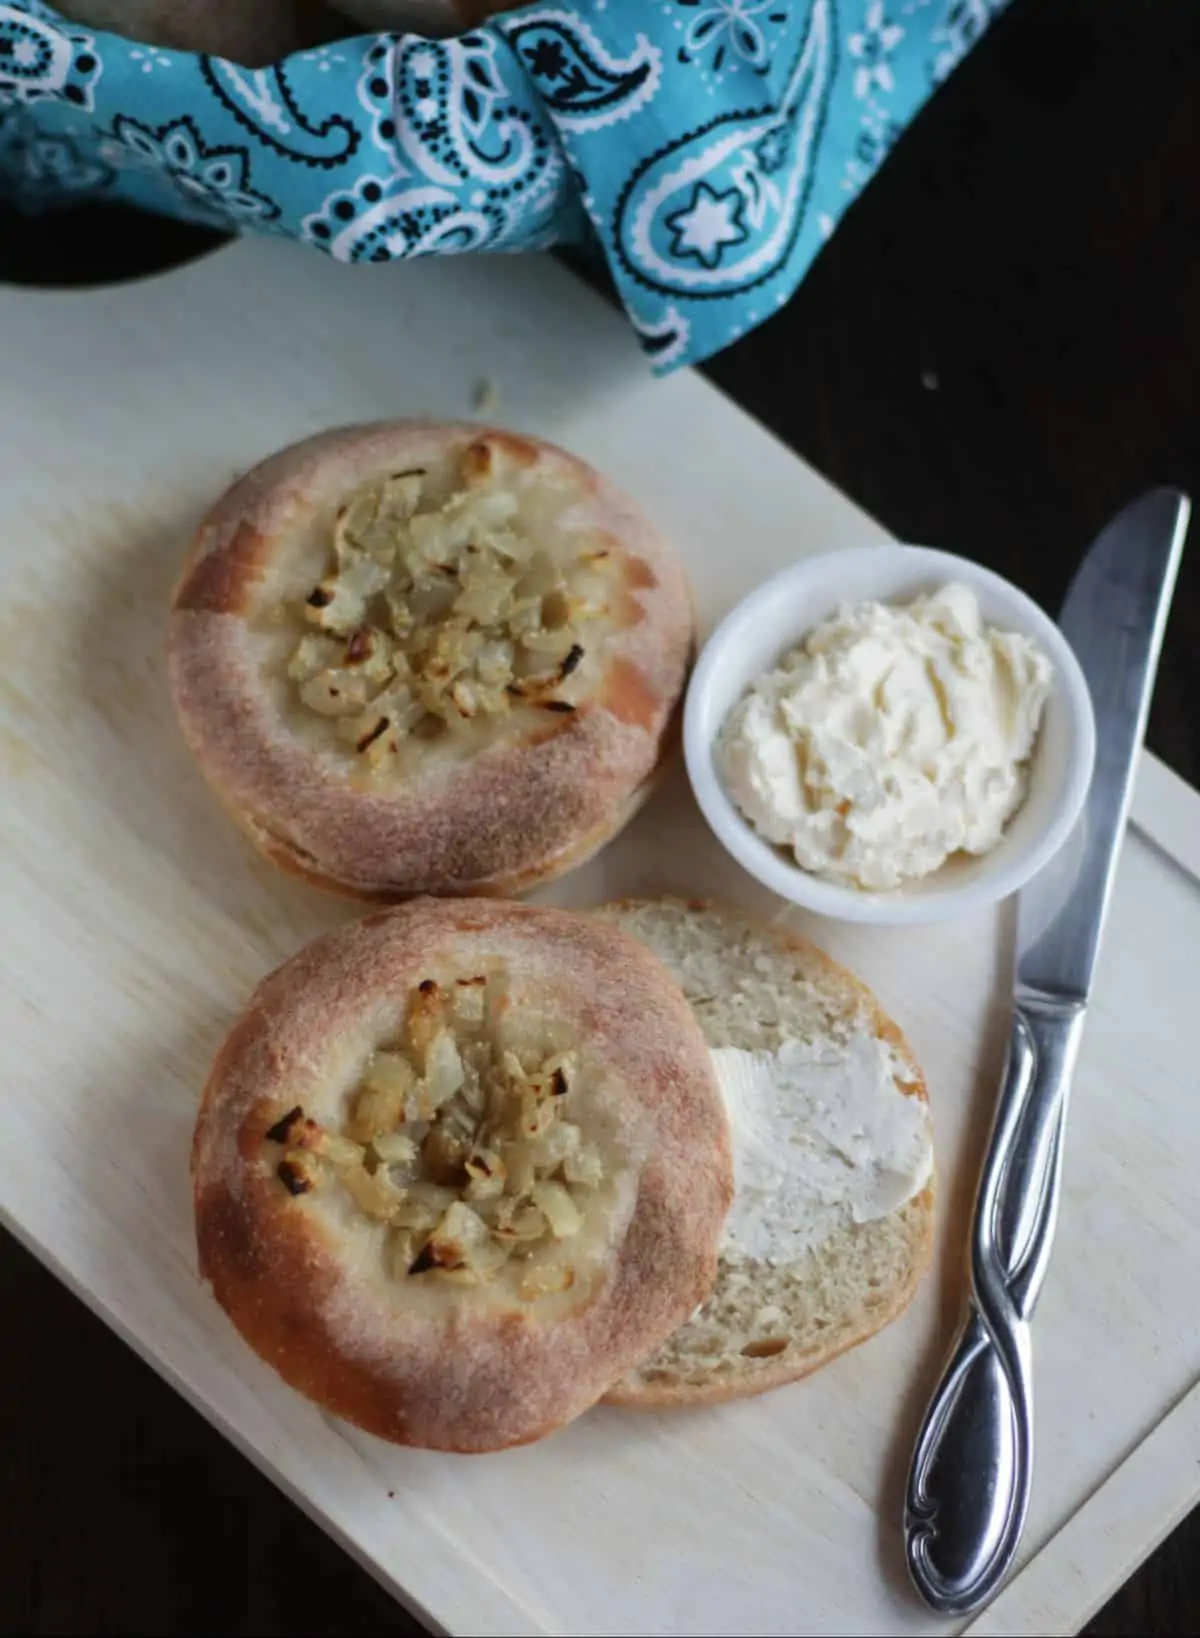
pixel 760 630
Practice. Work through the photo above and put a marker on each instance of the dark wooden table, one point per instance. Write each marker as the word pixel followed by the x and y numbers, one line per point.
pixel 999 347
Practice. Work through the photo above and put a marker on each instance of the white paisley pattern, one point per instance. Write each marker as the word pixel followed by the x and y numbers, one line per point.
pixel 871 47
pixel 729 29
pixel 710 147
pixel 211 179
pixel 719 211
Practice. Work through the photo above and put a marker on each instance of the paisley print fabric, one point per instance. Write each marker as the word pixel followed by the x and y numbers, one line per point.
pixel 709 146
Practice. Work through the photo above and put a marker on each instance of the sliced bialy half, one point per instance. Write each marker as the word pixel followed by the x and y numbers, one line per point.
pixel 832 1225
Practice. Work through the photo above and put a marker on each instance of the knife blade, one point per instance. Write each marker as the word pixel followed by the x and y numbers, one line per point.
pixel 1113 617
pixel 969 1483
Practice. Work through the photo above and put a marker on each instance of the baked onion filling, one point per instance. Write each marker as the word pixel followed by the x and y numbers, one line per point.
pixel 450 604
pixel 460 1143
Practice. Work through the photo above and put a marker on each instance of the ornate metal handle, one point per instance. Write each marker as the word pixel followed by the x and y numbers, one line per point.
pixel 968 1488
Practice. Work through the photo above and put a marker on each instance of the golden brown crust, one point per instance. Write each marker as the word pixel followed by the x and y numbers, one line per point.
pixel 919 1213
pixel 217 582
pixel 289 859
pixel 310 1295
pixel 509 818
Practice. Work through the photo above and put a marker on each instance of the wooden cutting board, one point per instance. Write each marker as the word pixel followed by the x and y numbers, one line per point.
pixel 135 921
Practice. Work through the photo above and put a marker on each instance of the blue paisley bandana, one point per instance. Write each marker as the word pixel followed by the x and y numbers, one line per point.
pixel 711 146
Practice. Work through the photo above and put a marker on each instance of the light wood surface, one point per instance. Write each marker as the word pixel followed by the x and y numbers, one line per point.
pixel 136 920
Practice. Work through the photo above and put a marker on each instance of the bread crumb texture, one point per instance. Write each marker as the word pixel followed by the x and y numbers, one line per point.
pixel 753 987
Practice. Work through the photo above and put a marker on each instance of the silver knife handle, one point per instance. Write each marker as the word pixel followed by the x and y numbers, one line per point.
pixel 968 1489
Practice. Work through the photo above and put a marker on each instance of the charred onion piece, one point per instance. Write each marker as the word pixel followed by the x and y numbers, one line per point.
pixel 282 1129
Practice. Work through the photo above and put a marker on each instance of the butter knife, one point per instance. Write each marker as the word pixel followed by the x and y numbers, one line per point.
pixel 968 1487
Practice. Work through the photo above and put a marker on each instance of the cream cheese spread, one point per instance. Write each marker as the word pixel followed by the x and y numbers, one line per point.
pixel 890 739
pixel 822 1137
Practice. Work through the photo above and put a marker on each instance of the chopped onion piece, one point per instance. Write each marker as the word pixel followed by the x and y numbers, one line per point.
pixel 424 1205
pixel 562 1214
pixel 542 576
pixel 522 1223
pixel 363 578
pixel 513 1067
pixel 313 654
pixel 538 1113
pixel 335 693
pixel 461 1238
pixel 485 1163
pixel 373 1192
pixel 369 652
pixel 444 1072
pixel 355 520
pixel 334 607
pixel 395 1148
pixel 494 662
pixel 340 1151
pixel 561 1069
pixel 522 1174
pixel 547 644
pixel 379 1107
pixel 401 495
